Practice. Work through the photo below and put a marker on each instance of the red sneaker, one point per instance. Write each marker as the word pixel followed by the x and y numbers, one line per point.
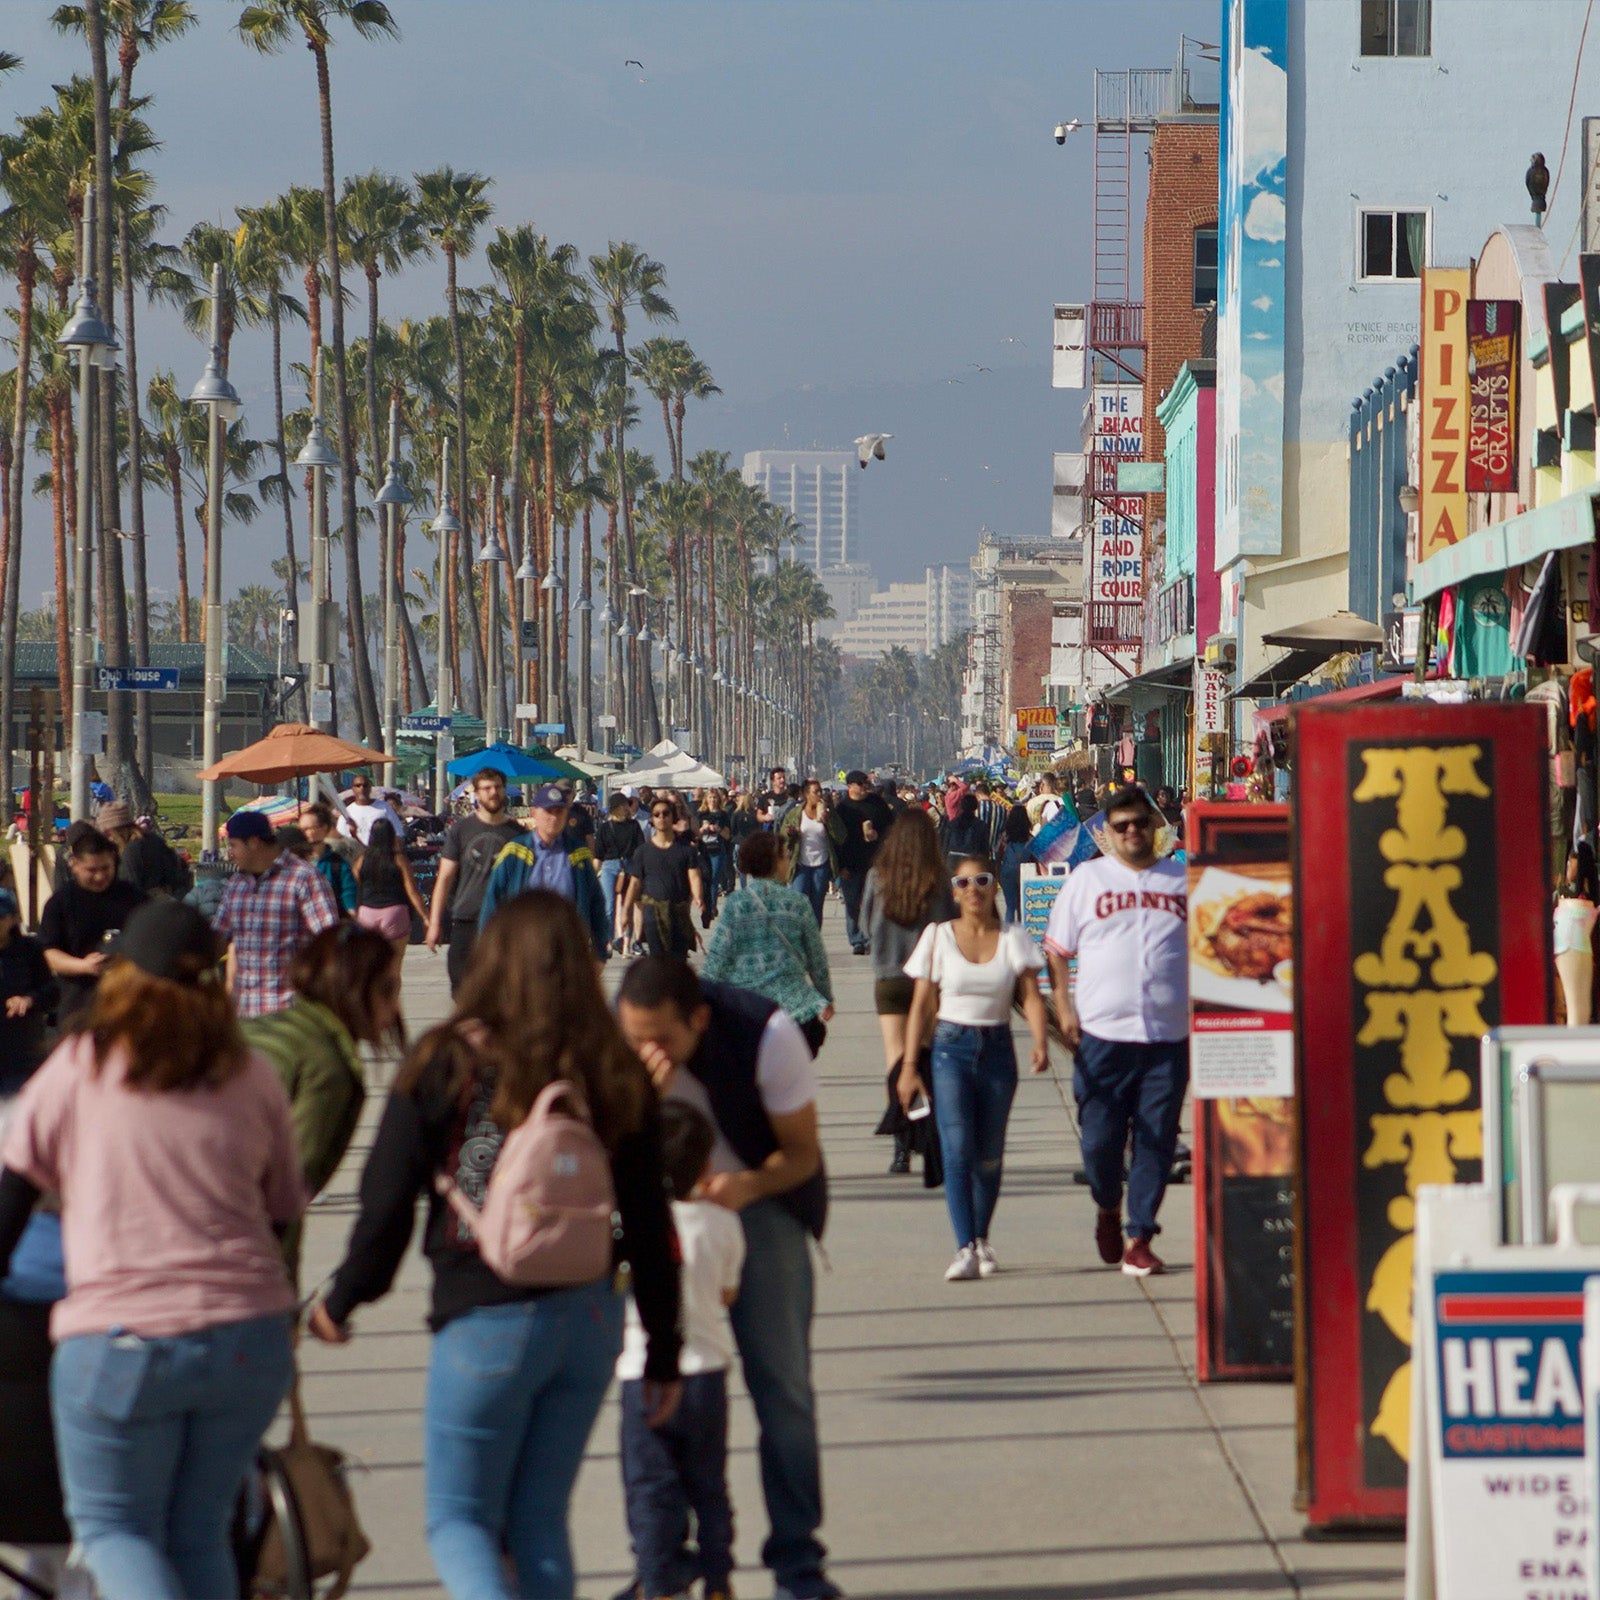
pixel 1140 1260
pixel 1108 1236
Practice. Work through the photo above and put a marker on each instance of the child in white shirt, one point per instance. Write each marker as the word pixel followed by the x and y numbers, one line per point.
pixel 680 1467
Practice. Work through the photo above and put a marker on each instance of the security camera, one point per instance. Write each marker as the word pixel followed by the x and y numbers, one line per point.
pixel 1061 133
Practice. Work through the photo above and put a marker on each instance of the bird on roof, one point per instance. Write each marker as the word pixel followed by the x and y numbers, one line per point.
pixel 870 445
pixel 1537 178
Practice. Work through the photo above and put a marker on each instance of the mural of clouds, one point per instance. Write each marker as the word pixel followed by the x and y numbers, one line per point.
pixel 1265 220
pixel 1261 82
pixel 1262 302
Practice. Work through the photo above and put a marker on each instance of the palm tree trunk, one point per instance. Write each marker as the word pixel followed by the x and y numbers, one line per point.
pixel 145 754
pixel 179 517
pixel 371 375
pixel 361 665
pixel 59 467
pixel 291 582
pixel 12 488
pixel 641 669
pixel 463 503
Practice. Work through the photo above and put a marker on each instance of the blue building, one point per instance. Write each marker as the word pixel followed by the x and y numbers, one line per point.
pixel 1361 141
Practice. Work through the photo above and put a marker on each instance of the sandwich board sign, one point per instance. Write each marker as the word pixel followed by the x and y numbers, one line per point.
pixel 1500 1508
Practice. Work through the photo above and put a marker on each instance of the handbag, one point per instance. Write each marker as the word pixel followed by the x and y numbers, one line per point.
pixel 314 1531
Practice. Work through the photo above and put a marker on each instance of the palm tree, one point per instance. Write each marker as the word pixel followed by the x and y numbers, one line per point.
pixel 33 210
pixel 383 232
pixel 268 26
pixel 138 26
pixel 264 245
pixel 454 208
pixel 626 277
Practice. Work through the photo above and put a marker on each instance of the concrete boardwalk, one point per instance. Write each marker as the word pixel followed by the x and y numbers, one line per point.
pixel 1035 1436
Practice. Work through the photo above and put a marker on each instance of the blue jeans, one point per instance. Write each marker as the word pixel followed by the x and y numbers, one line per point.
pixel 812 882
pixel 772 1327
pixel 1118 1084
pixel 1011 880
pixel 610 871
pixel 852 886
pixel 155 1437
pixel 513 1392
pixel 669 1471
pixel 974 1080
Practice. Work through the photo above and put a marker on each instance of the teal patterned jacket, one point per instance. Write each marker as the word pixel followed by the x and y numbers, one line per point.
pixel 766 939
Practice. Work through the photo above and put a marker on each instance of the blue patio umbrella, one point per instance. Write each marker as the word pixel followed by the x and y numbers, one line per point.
pixel 508 759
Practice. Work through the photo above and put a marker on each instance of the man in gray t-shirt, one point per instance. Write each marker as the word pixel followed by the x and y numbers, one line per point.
pixel 465 862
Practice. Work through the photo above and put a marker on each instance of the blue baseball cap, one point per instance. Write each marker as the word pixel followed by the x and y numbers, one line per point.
pixel 550 797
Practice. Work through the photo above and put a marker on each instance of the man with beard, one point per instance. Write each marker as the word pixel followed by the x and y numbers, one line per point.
pixel 465 862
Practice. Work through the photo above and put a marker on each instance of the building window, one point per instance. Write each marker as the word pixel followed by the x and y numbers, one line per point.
pixel 1205 266
pixel 1396 27
pixel 1394 245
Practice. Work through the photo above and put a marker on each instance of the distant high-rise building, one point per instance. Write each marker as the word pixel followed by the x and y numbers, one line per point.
pixel 818 489
pixel 894 616
pixel 949 604
pixel 849 589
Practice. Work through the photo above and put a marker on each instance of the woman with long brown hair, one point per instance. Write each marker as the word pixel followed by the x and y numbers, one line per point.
pixel 170 1144
pixel 517 1373
pixel 907 889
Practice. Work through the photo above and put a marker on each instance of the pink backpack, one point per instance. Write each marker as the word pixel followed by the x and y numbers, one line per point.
pixel 547 1217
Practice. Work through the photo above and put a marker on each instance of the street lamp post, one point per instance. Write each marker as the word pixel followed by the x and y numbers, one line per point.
pixel 585 607
pixel 491 556
pixel 550 594
pixel 444 526
pixel 87 333
pixel 317 455
pixel 527 574
pixel 222 404
pixel 393 498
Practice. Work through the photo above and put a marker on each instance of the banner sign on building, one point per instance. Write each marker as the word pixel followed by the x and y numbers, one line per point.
pixel 1036 729
pixel 1069 349
pixel 1066 502
pixel 1410 950
pixel 1589 281
pixel 1242 1056
pixel 1492 358
pixel 1442 491
pixel 1211 690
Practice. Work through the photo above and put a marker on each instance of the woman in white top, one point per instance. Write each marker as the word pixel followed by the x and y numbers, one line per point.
pixel 813 833
pixel 968 972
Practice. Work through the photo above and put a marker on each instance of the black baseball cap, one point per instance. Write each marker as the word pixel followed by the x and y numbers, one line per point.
pixel 858 776
pixel 160 934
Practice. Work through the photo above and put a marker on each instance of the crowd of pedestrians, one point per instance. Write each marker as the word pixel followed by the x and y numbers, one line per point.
pixel 624 1188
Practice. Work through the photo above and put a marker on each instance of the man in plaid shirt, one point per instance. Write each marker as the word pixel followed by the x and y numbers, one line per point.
pixel 272 905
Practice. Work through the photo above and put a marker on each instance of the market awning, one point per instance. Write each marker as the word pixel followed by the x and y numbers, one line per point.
pixel 1379 689
pixel 1276 676
pixel 1518 540
pixel 1333 636
pixel 1176 677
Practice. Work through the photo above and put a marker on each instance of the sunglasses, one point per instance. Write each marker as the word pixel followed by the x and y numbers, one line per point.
pixel 975 880
pixel 1132 824
pixel 663 813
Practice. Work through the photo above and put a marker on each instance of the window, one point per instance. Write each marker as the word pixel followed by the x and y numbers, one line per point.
pixel 1205 266
pixel 1394 245
pixel 1396 27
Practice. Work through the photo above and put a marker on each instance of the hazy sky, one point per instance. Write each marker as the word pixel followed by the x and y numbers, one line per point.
pixel 855 200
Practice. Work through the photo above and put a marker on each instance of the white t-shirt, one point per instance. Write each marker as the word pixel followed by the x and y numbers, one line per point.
pixel 363 816
pixel 813 842
pixel 1130 933
pixel 786 1081
pixel 711 1239
pixel 975 994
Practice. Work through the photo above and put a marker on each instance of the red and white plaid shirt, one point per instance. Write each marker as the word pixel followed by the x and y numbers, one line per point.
pixel 268 918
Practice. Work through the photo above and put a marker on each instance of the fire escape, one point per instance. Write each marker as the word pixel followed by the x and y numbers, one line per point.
pixel 1126 106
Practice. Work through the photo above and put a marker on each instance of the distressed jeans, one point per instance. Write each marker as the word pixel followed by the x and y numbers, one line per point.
pixel 974 1081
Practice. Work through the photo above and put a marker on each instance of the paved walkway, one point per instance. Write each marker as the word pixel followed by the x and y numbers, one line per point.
pixel 1035 1436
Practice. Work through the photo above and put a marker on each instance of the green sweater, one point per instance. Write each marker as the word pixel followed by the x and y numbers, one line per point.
pixel 766 939
pixel 317 1060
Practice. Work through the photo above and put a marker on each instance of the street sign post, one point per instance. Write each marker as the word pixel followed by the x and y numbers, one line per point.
pixel 544 729
pixel 428 727
pixel 132 680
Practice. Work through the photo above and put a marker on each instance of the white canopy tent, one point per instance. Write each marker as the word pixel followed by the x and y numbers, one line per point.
pixel 667 766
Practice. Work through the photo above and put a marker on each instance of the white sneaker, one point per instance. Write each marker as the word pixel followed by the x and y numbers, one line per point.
pixel 964 1267
pixel 987 1265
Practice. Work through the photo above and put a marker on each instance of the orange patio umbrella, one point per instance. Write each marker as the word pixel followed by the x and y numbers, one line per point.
pixel 293 750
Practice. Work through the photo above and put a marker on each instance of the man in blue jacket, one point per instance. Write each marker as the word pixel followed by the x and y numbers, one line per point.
pixel 543 858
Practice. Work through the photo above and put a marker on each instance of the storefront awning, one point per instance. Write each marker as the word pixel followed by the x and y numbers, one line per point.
pixel 1560 525
pixel 1176 677
pixel 1378 689
pixel 1276 676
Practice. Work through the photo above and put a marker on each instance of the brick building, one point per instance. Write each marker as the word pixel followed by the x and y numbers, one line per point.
pixel 1180 263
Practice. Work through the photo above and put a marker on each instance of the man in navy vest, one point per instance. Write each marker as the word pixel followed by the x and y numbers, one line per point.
pixel 745 1064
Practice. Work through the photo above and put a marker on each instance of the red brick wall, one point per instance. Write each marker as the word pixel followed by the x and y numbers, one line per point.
pixel 1183 197
pixel 1027 636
